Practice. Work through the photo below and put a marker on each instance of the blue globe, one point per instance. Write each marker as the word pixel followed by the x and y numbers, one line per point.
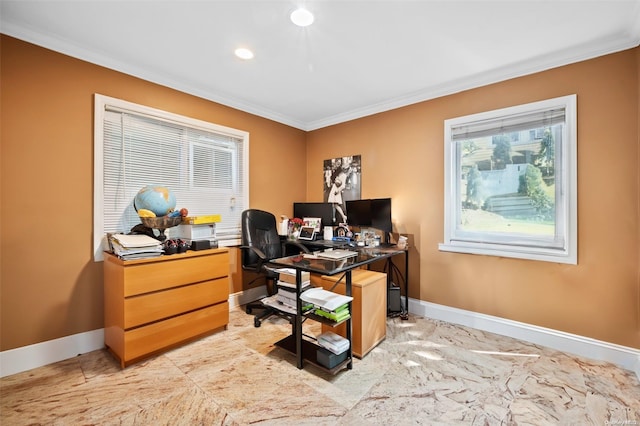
pixel 158 199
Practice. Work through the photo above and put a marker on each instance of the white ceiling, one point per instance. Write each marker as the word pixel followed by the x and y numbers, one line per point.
pixel 358 58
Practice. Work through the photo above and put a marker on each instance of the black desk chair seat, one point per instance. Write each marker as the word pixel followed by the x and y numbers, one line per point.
pixel 261 244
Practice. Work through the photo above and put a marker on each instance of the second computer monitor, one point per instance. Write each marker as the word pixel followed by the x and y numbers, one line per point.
pixel 381 214
pixel 374 213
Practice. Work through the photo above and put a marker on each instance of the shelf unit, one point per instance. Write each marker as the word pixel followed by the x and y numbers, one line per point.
pixel 303 349
pixel 309 348
pixel 157 303
pixel 309 353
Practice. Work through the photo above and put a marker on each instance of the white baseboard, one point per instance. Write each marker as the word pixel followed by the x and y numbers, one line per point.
pixel 26 358
pixel 37 355
pixel 623 356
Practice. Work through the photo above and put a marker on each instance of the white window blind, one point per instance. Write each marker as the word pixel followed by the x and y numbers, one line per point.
pixel 203 164
pixel 508 124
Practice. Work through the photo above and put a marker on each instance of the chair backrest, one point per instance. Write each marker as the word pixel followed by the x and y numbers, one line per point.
pixel 259 229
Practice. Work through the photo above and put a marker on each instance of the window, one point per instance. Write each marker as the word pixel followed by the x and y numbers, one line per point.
pixel 205 166
pixel 510 182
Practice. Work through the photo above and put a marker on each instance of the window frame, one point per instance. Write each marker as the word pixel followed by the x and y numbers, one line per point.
pixel 494 244
pixel 101 104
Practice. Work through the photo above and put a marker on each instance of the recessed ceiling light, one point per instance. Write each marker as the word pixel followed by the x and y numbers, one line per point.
pixel 302 17
pixel 243 53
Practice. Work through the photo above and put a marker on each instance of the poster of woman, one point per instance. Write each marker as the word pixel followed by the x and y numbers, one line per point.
pixel 342 183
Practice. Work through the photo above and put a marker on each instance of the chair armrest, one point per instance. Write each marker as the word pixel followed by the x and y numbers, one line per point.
pixel 256 250
pixel 262 258
pixel 298 245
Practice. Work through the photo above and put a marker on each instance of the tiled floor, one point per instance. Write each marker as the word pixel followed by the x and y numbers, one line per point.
pixel 424 372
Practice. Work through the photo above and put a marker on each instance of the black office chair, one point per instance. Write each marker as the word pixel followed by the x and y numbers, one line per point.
pixel 260 244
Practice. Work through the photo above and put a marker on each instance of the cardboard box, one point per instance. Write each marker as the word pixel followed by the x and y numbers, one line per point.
pixel 291 278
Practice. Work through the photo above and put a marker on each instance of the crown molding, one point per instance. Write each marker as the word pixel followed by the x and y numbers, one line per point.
pixel 543 63
pixel 73 50
pixel 622 41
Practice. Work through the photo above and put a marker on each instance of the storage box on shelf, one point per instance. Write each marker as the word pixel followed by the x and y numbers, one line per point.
pixel 368 309
pixel 157 303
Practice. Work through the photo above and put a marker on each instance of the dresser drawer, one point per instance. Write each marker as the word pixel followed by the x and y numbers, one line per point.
pixel 148 277
pixel 155 306
pixel 145 340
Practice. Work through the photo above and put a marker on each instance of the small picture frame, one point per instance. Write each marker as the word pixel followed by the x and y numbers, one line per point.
pixel 315 222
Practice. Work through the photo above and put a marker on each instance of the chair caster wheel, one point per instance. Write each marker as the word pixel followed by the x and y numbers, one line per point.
pixel 248 310
pixel 256 322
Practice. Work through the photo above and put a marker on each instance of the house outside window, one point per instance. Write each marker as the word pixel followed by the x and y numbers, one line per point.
pixel 510 182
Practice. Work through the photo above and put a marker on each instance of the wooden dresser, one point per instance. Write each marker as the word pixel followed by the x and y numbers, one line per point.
pixel 153 304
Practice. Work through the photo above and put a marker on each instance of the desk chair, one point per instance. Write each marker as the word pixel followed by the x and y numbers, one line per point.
pixel 260 244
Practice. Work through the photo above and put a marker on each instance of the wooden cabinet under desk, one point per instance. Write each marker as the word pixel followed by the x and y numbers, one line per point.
pixel 153 304
pixel 368 309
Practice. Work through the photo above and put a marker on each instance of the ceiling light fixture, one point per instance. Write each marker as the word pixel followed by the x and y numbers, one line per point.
pixel 244 53
pixel 302 17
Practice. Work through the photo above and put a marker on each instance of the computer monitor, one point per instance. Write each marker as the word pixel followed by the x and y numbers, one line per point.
pixel 371 213
pixel 359 213
pixel 325 211
pixel 381 214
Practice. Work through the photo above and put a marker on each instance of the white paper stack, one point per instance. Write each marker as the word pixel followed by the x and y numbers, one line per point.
pixel 129 247
pixel 286 285
pixel 197 232
pixel 333 342
pixel 274 303
pixel 287 293
pixel 322 298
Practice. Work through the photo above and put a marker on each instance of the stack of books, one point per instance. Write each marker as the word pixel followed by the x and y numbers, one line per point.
pixel 333 342
pixel 198 228
pixel 129 247
pixel 199 220
pixel 327 304
pixel 341 313
pixel 287 294
pixel 286 287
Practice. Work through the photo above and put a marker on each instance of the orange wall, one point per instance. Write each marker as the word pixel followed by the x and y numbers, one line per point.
pixel 50 286
pixel 402 157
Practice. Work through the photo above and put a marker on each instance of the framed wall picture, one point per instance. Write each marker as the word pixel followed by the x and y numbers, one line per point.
pixel 342 178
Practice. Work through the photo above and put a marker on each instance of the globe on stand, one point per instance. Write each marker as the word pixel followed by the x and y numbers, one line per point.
pixel 161 201
pixel 156 198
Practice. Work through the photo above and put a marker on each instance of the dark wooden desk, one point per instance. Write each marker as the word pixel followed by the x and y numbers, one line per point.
pixel 303 349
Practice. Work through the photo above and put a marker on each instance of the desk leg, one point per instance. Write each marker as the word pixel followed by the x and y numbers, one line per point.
pixel 298 319
pixel 405 314
pixel 348 293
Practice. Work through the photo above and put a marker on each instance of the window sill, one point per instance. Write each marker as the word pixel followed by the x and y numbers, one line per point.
pixel 528 253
